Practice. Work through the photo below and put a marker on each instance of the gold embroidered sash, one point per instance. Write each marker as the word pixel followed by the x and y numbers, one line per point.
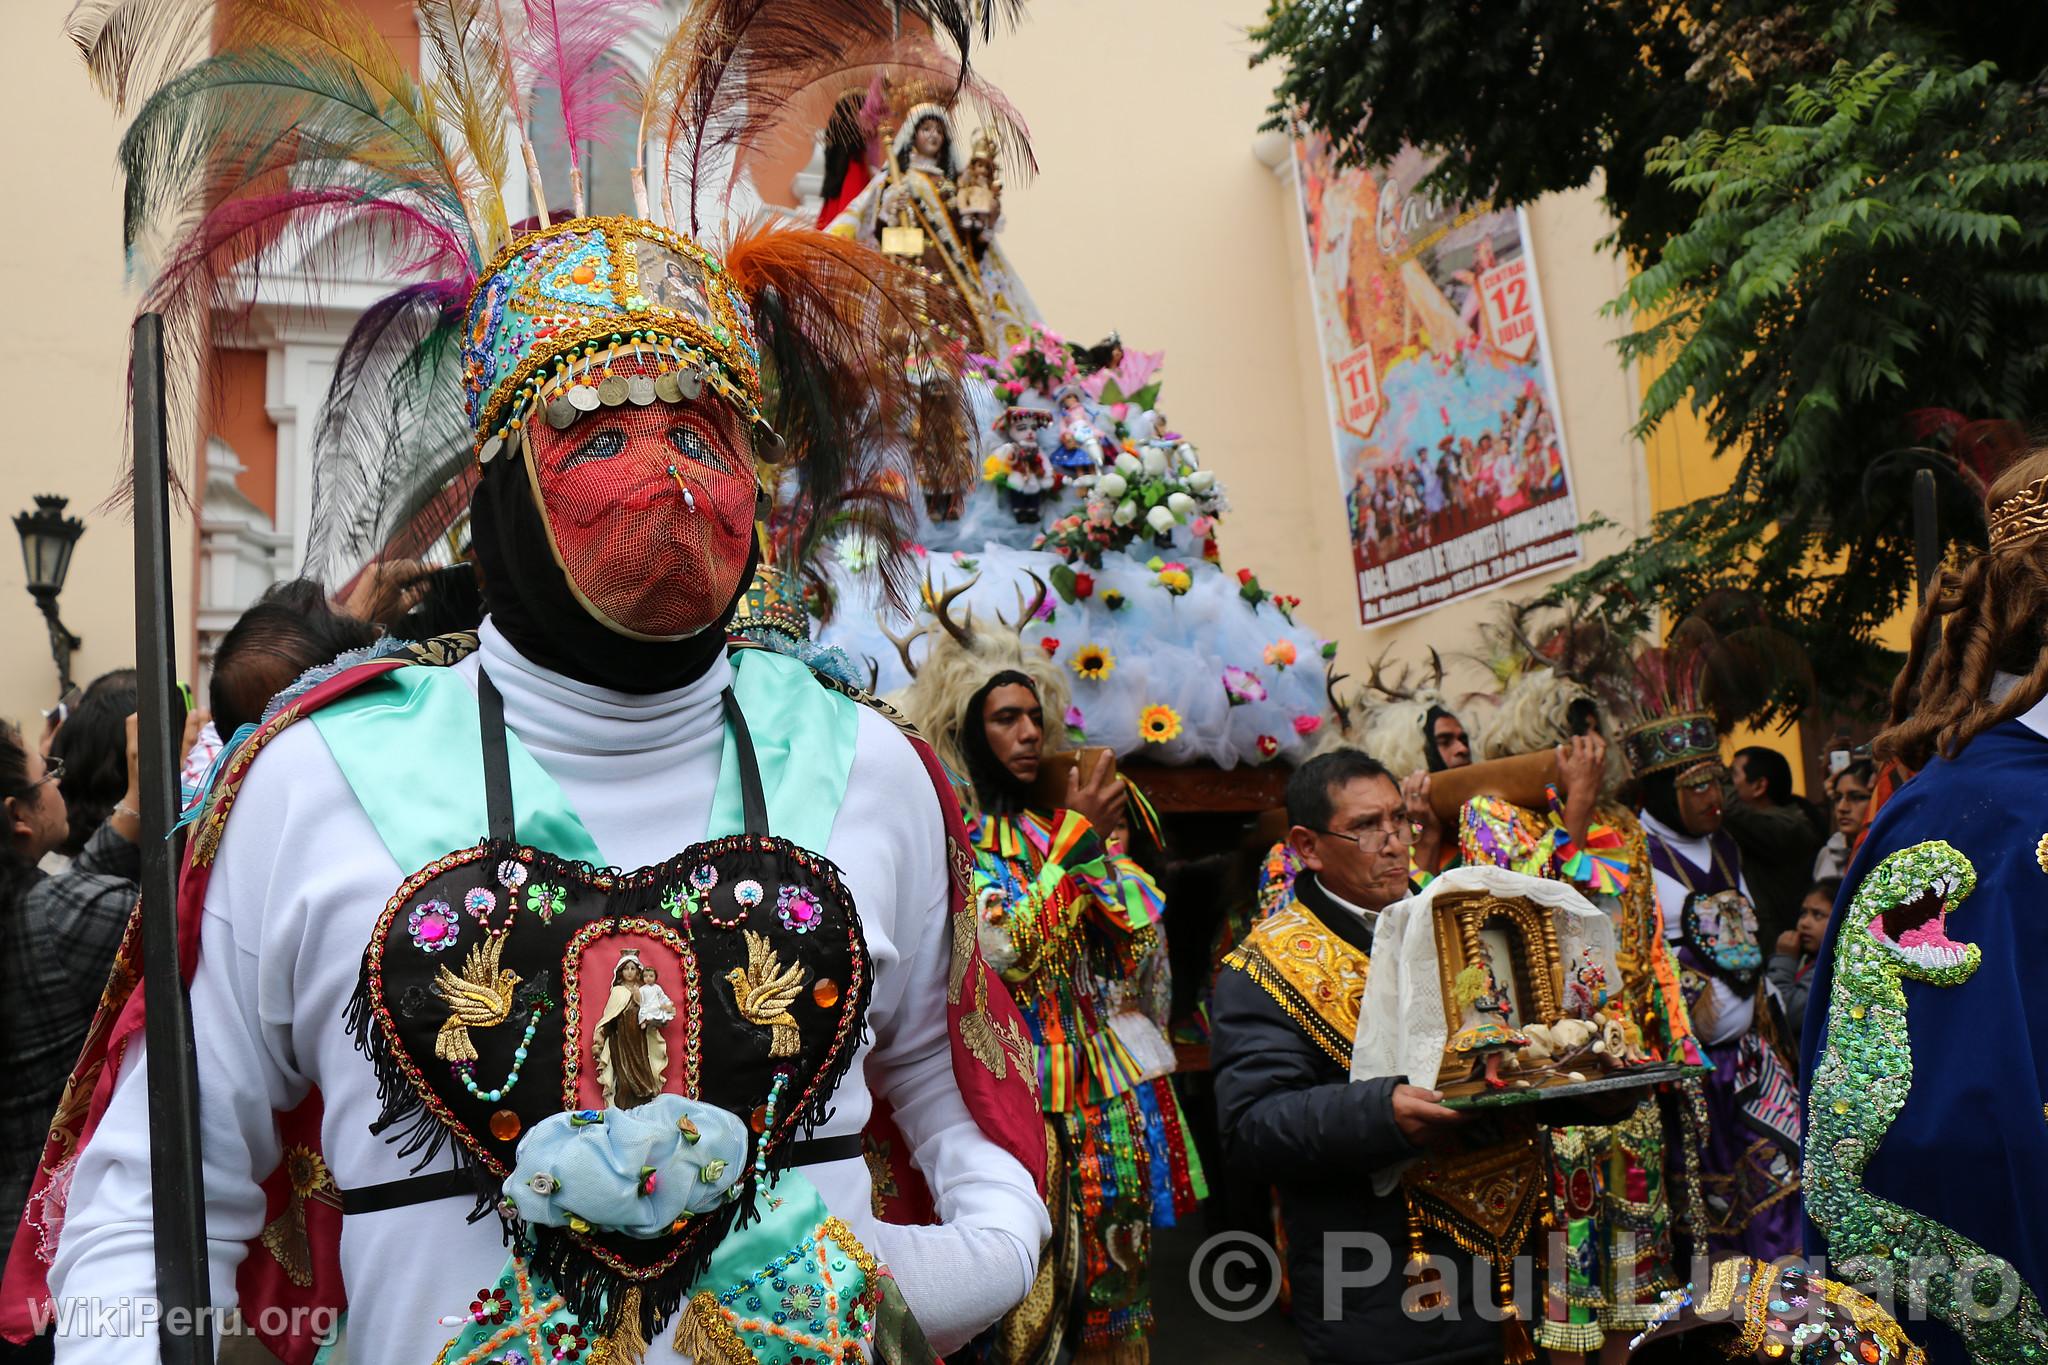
pixel 1314 975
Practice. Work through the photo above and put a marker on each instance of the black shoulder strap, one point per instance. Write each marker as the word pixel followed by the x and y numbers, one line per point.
pixel 753 805
pixel 497 761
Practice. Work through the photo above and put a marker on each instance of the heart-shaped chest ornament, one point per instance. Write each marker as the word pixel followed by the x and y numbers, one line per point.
pixel 505 987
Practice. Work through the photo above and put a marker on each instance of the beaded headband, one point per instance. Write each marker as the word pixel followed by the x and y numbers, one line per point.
pixel 2023 515
pixel 1689 740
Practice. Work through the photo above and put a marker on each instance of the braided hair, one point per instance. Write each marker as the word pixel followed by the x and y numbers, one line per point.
pixel 1987 617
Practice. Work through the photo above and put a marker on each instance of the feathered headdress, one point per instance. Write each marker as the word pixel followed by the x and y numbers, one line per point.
pixel 299 139
pixel 1719 666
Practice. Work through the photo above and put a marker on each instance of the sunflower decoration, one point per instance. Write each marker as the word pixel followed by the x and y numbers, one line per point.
pixel 1093 662
pixel 1158 724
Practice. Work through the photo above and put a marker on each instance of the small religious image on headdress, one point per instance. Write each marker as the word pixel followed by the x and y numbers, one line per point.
pixel 670 281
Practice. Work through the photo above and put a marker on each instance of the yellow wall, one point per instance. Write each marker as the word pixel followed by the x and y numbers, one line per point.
pixel 1153 216
pixel 65 356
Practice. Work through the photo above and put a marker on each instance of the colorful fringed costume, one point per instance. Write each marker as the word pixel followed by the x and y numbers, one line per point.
pixel 1059 924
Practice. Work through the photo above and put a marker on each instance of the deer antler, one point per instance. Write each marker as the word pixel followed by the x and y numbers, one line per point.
pixel 1331 677
pixel 902 643
pixel 963 633
pixel 1026 611
pixel 875 671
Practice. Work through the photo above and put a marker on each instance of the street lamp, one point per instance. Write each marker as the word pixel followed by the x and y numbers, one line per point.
pixel 47 536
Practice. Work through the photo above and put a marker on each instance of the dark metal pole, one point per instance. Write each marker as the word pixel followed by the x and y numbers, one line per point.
pixel 1926 537
pixel 177 1194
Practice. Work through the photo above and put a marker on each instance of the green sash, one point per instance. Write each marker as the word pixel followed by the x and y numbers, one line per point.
pixel 411 747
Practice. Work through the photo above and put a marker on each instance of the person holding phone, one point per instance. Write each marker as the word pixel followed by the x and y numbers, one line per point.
pixel 1056 923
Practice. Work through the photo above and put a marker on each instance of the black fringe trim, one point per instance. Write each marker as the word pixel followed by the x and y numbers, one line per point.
pixel 595 1292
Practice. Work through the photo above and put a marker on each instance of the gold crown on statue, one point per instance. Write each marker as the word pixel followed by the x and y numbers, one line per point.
pixel 2021 516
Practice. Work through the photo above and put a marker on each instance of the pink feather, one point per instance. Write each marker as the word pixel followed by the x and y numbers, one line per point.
pixel 566 51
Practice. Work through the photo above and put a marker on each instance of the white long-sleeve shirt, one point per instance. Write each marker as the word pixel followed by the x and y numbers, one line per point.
pixel 300 879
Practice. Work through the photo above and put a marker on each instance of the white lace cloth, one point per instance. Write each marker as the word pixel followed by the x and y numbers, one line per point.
pixel 1402 1029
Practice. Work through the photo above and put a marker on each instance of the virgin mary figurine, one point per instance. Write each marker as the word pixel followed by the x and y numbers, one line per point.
pixel 632 1055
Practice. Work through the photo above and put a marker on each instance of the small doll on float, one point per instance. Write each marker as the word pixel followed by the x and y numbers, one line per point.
pixel 1078 447
pixel 413 959
pixel 1018 465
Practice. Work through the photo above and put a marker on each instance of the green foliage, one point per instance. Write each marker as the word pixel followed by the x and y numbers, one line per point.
pixel 1837 211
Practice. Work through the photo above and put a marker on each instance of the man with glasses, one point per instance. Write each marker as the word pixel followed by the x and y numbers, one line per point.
pixel 58 936
pixel 1283 1015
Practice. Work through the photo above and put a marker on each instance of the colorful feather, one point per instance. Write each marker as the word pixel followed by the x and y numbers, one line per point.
pixel 463 40
pixel 866 365
pixel 390 443
pixel 131 47
pixel 569 49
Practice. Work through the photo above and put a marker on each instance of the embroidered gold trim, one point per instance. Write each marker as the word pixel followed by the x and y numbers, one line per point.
pixel 1315 976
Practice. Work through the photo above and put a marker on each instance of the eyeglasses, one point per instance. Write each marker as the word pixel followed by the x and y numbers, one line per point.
pixel 1402 833
pixel 53 771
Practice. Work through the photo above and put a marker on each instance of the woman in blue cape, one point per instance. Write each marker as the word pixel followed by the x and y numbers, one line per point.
pixel 1926 1057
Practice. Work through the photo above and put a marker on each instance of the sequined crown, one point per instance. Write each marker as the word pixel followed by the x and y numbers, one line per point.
pixel 558 306
pixel 773 602
pixel 1671 742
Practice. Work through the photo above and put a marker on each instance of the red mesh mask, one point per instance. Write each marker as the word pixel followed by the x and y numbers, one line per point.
pixel 649 509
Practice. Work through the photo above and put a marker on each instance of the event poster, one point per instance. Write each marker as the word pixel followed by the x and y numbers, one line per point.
pixel 1450 451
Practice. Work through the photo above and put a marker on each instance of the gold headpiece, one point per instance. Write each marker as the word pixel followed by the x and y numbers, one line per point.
pixel 2021 516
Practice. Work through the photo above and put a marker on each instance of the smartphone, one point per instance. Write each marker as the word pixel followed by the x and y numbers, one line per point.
pixel 1838 760
pixel 66 704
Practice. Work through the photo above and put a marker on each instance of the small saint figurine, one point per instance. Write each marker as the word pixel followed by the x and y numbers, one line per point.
pixel 1018 464
pixel 1486 1031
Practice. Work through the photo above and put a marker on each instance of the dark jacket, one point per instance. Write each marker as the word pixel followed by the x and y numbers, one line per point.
pixel 1778 844
pixel 1290 1116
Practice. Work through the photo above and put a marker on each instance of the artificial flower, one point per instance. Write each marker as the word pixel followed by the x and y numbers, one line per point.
pixel 1242 685
pixel 1113 600
pixel 1050 645
pixel 1268 746
pixel 1158 724
pixel 1280 653
pixel 1128 464
pixel 1161 519
pixel 1176 579
pixel 1153 461
pixel 1202 480
pixel 1245 577
pixel 1074 718
pixel 1307 725
pixel 1113 485
pixel 1084 585
pixel 1093 662
pixel 1126 512
pixel 1182 505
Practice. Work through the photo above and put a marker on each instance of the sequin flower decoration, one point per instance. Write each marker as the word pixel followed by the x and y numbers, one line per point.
pixel 511 874
pixel 566 1341
pixel 1093 662
pixel 1242 685
pixel 544 899
pixel 433 927
pixel 1158 724
pixel 798 909
pixel 491 1305
pixel 1280 653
